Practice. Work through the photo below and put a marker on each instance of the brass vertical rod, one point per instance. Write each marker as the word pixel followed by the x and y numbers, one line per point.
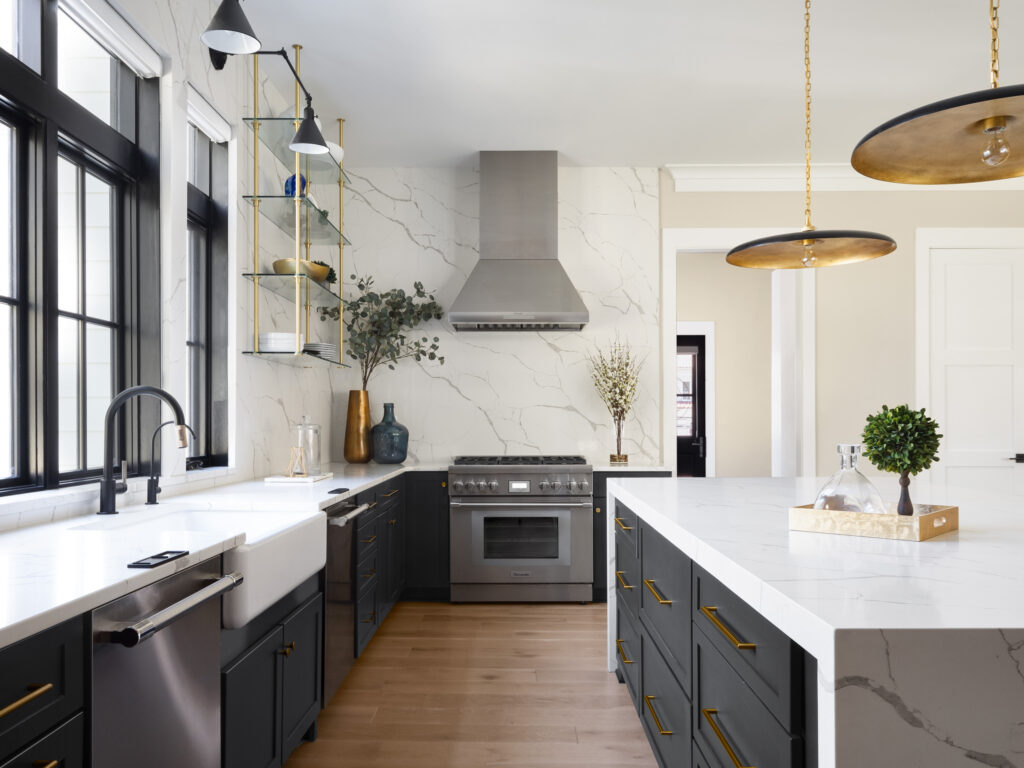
pixel 341 236
pixel 256 205
pixel 807 115
pixel 993 20
pixel 298 219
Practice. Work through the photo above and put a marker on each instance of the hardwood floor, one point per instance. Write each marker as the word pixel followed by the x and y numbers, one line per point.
pixel 472 686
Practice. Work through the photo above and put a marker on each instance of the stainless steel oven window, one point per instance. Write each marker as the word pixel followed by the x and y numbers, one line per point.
pixel 560 519
pixel 517 538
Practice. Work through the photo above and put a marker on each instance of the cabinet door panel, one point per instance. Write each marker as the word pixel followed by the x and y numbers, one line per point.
pixel 665 709
pixel 301 670
pixel 66 745
pixel 251 699
pixel 665 599
pixel 627 576
pixel 366 617
pixel 600 550
pixel 427 564
pixel 628 655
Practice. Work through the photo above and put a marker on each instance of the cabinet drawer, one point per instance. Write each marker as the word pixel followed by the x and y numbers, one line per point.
pixel 366 617
pixel 664 708
pixel 42 681
pixel 627 654
pixel 699 761
pixel 627 525
pixel 627 577
pixel 366 571
pixel 64 746
pixel 722 701
pixel 665 599
pixel 367 533
pixel 767 660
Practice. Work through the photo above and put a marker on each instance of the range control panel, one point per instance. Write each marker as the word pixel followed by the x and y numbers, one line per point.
pixel 546 483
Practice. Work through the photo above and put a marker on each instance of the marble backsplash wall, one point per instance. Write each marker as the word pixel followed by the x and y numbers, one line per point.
pixel 519 392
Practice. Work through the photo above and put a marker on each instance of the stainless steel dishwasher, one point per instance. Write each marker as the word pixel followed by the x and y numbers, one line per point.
pixel 156 673
pixel 340 602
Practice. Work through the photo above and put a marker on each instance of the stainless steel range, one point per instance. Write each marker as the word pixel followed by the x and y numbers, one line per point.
pixel 521 528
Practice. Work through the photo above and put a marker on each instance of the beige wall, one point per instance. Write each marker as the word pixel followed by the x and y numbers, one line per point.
pixel 739 303
pixel 865 312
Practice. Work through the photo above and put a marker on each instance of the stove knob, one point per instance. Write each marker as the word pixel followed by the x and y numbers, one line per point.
pixel 556 485
pixel 573 486
pixel 584 486
pixel 544 485
pixel 480 485
pixel 493 485
pixel 458 485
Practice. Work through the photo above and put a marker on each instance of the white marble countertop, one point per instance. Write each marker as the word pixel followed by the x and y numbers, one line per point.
pixel 50 573
pixel 810 585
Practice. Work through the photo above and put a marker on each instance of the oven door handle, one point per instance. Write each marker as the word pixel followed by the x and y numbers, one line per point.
pixel 547 504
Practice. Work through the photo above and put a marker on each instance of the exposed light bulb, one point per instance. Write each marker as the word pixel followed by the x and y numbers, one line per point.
pixel 809 259
pixel 998 148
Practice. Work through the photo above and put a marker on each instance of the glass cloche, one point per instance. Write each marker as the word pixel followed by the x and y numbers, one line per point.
pixel 848 489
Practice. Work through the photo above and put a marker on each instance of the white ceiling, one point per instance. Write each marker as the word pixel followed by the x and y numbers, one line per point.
pixel 627 82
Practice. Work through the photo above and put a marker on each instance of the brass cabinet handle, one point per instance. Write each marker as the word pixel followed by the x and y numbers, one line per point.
pixel 35 692
pixel 622 652
pixel 657 722
pixel 392 523
pixel 45 764
pixel 597 510
pixel 370 540
pixel 389 495
pixel 622 525
pixel 721 737
pixel 371 506
pixel 288 648
pixel 370 574
pixel 712 613
pixel 649 583
pixel 370 620
pixel 622 581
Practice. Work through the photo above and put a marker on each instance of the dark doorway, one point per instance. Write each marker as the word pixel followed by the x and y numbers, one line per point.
pixel 691 434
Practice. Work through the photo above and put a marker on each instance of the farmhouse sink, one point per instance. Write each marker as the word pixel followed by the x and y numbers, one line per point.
pixel 281 549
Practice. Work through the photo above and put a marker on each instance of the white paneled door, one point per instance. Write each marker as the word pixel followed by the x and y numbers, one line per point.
pixel 976 376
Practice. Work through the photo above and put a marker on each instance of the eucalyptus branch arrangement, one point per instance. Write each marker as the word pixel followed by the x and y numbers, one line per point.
pixel 616 373
pixel 904 441
pixel 378 325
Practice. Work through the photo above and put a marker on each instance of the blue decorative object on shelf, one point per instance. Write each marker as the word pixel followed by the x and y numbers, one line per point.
pixel 289 185
pixel 390 439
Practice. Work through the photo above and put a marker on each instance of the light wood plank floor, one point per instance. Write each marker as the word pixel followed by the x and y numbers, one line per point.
pixel 473 686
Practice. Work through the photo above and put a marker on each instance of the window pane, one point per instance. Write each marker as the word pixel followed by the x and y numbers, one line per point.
pixel 67 236
pixel 67 393
pixel 99 201
pixel 99 389
pixel 7 405
pixel 6 211
pixel 85 71
pixel 197 322
pixel 684 395
pixel 9 28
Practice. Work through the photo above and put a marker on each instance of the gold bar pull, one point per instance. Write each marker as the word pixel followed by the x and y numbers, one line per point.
pixel 597 510
pixel 622 652
pixel 389 495
pixel 712 613
pixel 370 574
pixel 622 525
pixel 45 764
pixel 649 583
pixel 622 581
pixel 370 620
pixel 35 692
pixel 370 540
pixel 371 506
pixel 721 737
pixel 392 523
pixel 657 722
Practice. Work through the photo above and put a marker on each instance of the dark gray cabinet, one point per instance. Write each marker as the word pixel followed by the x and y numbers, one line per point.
pixel 427 565
pixel 272 693
pixel 63 746
pixel 42 686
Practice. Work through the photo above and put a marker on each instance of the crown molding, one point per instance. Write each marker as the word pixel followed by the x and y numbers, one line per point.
pixel 115 33
pixel 825 177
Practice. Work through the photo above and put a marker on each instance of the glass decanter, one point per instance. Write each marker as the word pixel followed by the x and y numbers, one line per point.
pixel 848 489
pixel 307 439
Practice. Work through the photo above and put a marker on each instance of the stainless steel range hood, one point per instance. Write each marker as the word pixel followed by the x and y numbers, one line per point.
pixel 518 283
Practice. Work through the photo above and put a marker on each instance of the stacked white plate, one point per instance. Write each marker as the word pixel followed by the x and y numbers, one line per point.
pixel 329 351
pixel 279 342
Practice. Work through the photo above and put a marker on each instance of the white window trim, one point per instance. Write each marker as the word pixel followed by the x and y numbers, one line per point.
pixel 111 30
pixel 206 118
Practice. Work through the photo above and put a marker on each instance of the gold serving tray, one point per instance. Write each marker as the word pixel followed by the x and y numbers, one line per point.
pixel 927 522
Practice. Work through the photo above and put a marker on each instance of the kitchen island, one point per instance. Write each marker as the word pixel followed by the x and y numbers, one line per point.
pixel 906 653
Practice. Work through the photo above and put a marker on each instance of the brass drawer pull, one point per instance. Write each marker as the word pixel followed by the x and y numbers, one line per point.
pixel 649 583
pixel 370 540
pixel 597 510
pixel 622 652
pixel 657 722
pixel 371 506
pixel 622 525
pixel 622 581
pixel 45 764
pixel 36 692
pixel 287 650
pixel 392 523
pixel 389 495
pixel 712 613
pixel 370 574
pixel 370 620
pixel 721 737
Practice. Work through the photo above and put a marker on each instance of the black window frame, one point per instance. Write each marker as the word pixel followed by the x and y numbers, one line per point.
pixel 52 123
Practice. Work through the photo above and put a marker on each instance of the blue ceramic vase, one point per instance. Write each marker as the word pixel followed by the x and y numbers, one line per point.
pixel 289 185
pixel 390 439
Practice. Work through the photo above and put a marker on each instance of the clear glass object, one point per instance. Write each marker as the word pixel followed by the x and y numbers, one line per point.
pixel 307 438
pixel 848 489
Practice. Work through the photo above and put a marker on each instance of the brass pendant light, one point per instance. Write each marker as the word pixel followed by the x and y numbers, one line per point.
pixel 977 136
pixel 810 247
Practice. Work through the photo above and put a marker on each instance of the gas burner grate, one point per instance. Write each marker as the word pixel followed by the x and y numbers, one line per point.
pixel 519 460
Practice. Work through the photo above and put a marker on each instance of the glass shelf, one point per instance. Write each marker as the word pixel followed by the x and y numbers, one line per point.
pixel 284 286
pixel 276 134
pixel 280 211
pixel 302 359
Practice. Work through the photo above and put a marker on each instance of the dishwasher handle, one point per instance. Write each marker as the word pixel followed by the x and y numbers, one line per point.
pixel 343 519
pixel 131 635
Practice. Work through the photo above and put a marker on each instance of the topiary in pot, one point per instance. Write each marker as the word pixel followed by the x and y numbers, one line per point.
pixel 904 441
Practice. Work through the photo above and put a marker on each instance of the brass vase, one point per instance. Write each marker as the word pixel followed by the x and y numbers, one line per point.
pixel 357 427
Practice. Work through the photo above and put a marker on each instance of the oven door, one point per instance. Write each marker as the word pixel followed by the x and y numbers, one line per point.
pixel 508 542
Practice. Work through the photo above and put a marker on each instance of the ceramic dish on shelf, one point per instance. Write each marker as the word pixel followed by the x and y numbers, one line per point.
pixel 329 351
pixel 279 342
pixel 315 271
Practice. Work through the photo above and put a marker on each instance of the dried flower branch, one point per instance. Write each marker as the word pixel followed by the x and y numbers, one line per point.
pixel 616 374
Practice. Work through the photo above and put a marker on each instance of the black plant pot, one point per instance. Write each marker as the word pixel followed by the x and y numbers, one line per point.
pixel 905 505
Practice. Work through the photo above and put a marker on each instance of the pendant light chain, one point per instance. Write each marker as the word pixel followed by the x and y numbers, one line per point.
pixel 993 13
pixel 807 114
